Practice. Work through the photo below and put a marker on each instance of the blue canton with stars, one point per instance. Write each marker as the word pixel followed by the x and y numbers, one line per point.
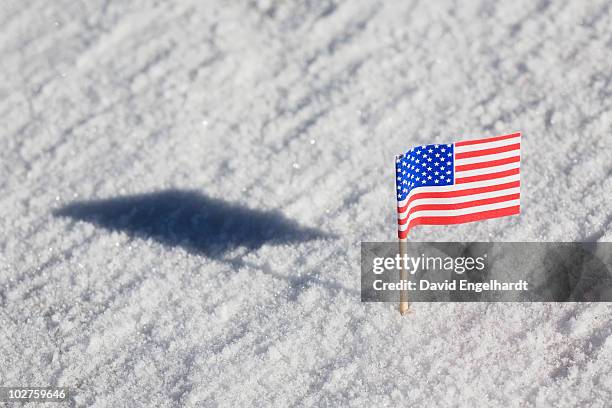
pixel 428 165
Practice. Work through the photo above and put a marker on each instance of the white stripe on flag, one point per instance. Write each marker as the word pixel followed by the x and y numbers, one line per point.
pixel 464 186
pixel 462 211
pixel 488 157
pixel 459 200
pixel 488 145
pixel 487 170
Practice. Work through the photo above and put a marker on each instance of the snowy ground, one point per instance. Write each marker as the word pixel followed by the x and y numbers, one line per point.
pixel 275 124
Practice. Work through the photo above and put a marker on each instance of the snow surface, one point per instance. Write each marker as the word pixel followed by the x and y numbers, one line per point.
pixel 286 116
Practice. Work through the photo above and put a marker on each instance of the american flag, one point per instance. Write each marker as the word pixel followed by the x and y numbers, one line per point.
pixel 467 181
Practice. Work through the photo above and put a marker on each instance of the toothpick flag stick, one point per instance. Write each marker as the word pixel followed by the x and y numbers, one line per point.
pixel 404 306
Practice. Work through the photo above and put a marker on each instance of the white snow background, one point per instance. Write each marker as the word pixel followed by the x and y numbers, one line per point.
pixel 287 115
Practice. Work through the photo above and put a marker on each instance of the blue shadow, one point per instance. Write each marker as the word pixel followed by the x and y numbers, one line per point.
pixel 192 220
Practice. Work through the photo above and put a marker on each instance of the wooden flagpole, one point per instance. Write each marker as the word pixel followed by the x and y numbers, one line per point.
pixel 404 305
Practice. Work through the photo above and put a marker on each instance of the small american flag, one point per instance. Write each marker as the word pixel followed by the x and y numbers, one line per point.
pixel 467 181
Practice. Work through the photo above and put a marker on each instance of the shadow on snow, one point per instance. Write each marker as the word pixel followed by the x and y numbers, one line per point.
pixel 191 220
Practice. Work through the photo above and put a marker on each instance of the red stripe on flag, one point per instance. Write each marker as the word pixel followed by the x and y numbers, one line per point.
pixel 492 163
pixel 489 139
pixel 466 204
pixel 485 152
pixel 458 206
pixel 460 219
pixel 459 193
pixel 489 176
